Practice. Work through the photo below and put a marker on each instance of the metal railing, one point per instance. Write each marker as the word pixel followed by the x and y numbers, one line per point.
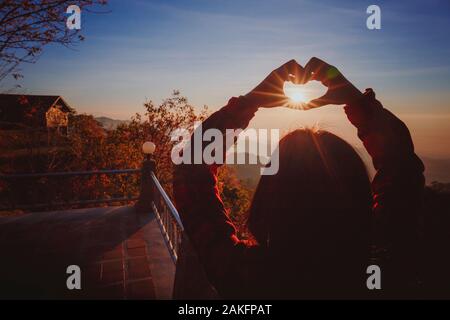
pixel 167 215
pixel 22 181
pixel 168 219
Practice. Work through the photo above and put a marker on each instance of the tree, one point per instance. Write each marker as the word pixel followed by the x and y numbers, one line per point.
pixel 26 26
pixel 236 197
pixel 86 145
pixel 156 125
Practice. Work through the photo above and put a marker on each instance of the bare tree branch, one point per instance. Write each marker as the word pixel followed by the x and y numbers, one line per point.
pixel 26 26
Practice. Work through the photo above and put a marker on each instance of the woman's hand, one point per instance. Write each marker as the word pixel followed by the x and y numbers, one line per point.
pixel 340 90
pixel 269 93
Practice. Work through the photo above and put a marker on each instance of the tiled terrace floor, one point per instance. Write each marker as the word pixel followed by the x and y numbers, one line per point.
pixel 122 255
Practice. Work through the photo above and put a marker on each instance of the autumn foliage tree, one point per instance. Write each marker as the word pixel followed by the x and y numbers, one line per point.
pixel 156 125
pixel 236 197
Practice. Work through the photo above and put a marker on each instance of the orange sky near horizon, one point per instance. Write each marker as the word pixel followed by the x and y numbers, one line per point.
pixel 430 132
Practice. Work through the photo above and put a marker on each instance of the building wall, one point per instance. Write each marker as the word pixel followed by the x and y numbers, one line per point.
pixel 56 118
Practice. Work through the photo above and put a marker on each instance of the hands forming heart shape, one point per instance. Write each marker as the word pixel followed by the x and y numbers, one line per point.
pixel 277 89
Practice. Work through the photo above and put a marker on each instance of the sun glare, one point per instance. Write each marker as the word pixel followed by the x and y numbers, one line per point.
pixel 297 96
pixel 294 92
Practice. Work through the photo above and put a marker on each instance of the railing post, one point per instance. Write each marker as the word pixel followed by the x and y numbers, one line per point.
pixel 146 194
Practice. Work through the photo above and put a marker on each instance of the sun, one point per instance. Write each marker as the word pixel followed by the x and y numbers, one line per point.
pixel 294 92
pixel 297 96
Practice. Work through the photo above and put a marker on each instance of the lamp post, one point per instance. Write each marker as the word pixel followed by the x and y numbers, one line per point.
pixel 146 195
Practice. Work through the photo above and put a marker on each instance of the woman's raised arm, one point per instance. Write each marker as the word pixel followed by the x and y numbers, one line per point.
pixel 232 265
pixel 399 182
pixel 397 190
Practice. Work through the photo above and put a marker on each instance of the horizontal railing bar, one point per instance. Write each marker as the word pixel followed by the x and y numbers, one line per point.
pixel 167 200
pixel 67 174
pixel 56 204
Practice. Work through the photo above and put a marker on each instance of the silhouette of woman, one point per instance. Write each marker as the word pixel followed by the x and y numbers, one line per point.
pixel 316 220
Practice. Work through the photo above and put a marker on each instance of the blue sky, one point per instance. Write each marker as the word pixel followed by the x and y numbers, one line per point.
pixel 214 49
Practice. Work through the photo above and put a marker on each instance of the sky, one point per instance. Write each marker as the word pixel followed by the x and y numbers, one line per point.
pixel 212 50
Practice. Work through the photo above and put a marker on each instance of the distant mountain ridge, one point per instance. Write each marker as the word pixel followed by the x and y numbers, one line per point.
pixel 435 170
pixel 110 124
pixel 249 174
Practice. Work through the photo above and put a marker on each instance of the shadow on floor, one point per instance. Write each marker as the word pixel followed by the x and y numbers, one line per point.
pixel 121 254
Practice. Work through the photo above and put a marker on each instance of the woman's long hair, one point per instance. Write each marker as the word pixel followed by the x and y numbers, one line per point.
pixel 314 215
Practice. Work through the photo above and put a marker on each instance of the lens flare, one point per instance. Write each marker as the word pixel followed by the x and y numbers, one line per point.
pixel 297 97
pixel 294 92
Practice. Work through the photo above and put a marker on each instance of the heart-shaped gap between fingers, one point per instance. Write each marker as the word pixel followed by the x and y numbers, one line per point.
pixel 303 93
